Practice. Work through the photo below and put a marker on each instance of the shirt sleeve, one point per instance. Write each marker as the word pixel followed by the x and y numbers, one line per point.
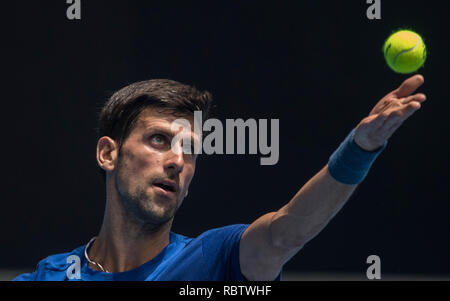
pixel 223 245
pixel 235 272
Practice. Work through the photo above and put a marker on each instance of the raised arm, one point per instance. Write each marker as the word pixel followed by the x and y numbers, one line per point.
pixel 270 241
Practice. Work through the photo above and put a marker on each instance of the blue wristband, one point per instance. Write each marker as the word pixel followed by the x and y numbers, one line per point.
pixel 349 164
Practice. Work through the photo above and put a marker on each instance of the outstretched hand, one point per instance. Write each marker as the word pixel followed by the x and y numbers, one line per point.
pixel 389 114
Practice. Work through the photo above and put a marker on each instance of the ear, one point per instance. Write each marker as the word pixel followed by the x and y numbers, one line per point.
pixel 107 153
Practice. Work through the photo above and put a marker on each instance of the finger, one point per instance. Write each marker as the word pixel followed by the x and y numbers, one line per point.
pixel 410 109
pixel 401 114
pixel 419 97
pixel 393 123
pixel 409 86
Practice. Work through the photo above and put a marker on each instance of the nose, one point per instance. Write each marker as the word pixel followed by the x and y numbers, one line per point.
pixel 174 161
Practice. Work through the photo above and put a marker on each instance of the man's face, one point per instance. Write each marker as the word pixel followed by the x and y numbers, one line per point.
pixel 151 178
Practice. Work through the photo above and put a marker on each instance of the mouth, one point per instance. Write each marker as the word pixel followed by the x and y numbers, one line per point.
pixel 166 186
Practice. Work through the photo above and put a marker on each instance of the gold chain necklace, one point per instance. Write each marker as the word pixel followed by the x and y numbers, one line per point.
pixel 91 261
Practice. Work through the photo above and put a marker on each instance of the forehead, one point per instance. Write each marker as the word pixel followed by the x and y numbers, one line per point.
pixel 151 118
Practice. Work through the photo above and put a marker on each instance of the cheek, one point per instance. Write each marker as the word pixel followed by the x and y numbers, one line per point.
pixel 137 166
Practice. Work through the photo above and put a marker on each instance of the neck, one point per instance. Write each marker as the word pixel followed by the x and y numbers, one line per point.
pixel 124 244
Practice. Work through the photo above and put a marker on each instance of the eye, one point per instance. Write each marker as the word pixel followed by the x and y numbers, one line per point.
pixel 158 139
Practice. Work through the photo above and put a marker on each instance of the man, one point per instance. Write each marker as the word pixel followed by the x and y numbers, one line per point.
pixel 147 179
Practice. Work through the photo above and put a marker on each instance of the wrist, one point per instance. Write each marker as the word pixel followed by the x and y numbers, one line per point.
pixel 350 163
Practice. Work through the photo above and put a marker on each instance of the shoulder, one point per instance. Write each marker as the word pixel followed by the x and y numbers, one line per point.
pixel 212 255
pixel 223 245
pixel 220 247
pixel 53 267
pixel 221 237
pixel 224 232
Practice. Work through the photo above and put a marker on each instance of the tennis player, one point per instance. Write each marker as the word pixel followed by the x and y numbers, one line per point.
pixel 147 181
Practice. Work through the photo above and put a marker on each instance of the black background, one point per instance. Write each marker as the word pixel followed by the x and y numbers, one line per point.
pixel 317 66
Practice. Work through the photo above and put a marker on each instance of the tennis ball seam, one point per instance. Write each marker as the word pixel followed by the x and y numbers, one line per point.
pixel 406 50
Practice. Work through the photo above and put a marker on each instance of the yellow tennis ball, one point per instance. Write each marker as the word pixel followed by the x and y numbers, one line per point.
pixel 405 51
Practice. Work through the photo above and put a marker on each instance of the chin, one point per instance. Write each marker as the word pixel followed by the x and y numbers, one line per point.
pixel 147 210
pixel 159 214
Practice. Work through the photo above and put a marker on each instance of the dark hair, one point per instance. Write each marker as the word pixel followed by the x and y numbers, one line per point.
pixel 120 113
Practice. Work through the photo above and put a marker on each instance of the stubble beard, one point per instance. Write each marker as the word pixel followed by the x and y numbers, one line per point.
pixel 142 210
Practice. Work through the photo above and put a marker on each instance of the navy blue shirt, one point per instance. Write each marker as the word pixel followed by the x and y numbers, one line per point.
pixel 214 255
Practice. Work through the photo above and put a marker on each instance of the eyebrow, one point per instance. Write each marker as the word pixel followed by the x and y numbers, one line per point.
pixel 159 128
pixel 166 130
